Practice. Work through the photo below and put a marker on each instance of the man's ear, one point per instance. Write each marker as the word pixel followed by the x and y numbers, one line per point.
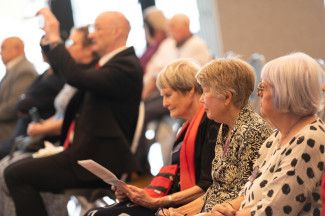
pixel 117 32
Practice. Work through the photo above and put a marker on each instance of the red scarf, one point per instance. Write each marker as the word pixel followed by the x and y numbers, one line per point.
pixel 187 165
pixel 69 136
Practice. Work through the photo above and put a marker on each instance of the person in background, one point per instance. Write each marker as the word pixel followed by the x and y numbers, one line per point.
pixel 192 152
pixel 79 47
pixel 155 28
pixel 39 96
pixel 181 43
pixel 103 125
pixel 20 73
pixel 34 104
pixel 227 85
pixel 287 177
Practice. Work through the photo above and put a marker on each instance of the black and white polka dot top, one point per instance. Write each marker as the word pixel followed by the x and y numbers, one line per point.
pixel 288 177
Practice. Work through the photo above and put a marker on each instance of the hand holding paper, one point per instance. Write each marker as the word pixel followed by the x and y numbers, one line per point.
pixel 103 173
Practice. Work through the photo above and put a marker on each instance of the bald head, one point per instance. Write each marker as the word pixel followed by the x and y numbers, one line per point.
pixel 179 27
pixel 11 48
pixel 115 19
pixel 111 32
pixel 181 20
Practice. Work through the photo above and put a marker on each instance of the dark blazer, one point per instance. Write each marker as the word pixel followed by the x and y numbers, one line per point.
pixel 41 94
pixel 106 111
pixel 203 153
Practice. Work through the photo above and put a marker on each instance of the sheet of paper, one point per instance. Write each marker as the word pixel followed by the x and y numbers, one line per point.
pixel 103 173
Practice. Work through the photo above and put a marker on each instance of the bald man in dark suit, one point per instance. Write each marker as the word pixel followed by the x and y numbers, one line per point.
pixel 105 115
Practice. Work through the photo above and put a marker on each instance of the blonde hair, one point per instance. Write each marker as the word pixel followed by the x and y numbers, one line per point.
pixel 234 75
pixel 180 76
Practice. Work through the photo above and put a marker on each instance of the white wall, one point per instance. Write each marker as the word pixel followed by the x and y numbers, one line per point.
pixel 272 27
pixel 15 21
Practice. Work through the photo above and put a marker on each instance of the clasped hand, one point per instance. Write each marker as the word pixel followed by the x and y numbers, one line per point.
pixel 224 209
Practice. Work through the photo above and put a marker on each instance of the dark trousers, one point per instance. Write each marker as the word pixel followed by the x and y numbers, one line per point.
pixel 28 177
pixel 124 207
pixel 5 147
pixel 21 130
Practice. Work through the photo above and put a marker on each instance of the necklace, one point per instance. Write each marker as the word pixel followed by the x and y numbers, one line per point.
pixel 227 143
pixel 290 128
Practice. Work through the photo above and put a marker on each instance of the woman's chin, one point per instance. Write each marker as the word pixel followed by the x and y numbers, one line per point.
pixel 173 115
pixel 176 115
pixel 209 115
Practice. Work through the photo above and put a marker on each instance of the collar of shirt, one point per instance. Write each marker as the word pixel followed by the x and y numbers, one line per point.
pixel 181 43
pixel 110 55
pixel 13 62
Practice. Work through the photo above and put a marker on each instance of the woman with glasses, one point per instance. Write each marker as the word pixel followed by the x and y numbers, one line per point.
pixel 227 85
pixel 287 175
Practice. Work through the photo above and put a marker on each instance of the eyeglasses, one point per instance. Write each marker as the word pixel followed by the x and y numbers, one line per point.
pixel 91 28
pixel 69 42
pixel 260 89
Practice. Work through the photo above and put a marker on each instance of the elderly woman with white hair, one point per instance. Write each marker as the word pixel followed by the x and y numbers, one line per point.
pixel 287 175
pixel 227 85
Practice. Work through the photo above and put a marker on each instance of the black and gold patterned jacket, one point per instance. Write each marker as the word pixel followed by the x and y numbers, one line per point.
pixel 232 166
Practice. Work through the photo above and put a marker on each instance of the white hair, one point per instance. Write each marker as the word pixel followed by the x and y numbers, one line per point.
pixel 296 83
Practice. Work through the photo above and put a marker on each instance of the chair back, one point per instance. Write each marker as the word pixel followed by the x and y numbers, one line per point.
pixel 138 129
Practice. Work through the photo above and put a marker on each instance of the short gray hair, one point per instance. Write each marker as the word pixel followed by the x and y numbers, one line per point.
pixel 234 75
pixel 180 76
pixel 296 83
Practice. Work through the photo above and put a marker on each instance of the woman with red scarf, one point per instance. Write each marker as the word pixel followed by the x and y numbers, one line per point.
pixel 193 150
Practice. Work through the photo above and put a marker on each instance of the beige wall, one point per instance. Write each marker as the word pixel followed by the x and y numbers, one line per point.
pixel 271 27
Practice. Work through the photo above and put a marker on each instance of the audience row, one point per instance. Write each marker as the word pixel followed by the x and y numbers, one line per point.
pixel 226 159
